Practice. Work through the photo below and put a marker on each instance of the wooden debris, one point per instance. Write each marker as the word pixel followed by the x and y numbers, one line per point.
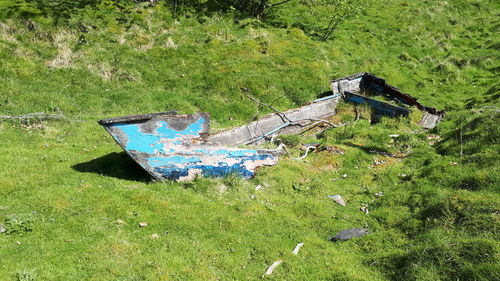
pixel 271 268
pixel 338 199
pixel 297 248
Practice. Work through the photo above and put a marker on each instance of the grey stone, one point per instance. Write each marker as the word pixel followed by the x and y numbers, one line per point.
pixel 347 234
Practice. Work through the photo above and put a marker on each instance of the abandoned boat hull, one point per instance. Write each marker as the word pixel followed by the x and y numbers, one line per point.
pixel 178 147
pixel 172 147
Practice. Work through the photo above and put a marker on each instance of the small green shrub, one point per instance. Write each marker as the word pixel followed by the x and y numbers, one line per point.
pixel 19 224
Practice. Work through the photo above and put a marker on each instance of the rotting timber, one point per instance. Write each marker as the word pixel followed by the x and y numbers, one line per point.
pixel 171 146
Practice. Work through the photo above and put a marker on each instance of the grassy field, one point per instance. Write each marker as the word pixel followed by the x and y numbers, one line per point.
pixel 71 201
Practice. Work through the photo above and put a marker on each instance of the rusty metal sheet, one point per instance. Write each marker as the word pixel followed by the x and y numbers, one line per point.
pixel 173 147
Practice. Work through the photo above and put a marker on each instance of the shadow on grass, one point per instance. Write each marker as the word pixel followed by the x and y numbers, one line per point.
pixel 324 94
pixel 367 149
pixel 117 165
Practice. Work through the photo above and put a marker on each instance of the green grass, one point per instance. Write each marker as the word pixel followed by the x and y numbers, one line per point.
pixel 64 184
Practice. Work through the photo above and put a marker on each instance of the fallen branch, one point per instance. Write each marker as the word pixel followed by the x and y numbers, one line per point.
pixel 271 268
pixel 35 115
pixel 279 113
pixel 288 122
pixel 356 109
pixel 282 146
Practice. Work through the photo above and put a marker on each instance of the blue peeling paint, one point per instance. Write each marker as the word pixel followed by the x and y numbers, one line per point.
pixel 172 160
pixel 150 143
pixel 169 153
pixel 239 152
pixel 174 172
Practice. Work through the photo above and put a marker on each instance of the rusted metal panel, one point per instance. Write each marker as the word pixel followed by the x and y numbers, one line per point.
pixel 173 147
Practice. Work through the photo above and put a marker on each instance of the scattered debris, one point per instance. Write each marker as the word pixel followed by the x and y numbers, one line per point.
pixel 282 146
pixel 332 149
pixel 18 242
pixel 2 228
pixel 222 188
pixel 258 187
pixel 373 151
pixel 347 234
pixel 143 224
pixel 402 175
pixel 393 136
pixel 377 163
pixel 379 194
pixel 253 197
pixel 154 236
pixel 434 139
pixel 297 249
pixel 338 199
pixel 119 221
pixel 429 120
pixel 344 176
pixel 453 163
pixel 271 268
pixel 364 209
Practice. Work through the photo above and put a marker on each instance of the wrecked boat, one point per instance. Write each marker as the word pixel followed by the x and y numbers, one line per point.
pixel 178 147
pixel 355 88
pixel 172 146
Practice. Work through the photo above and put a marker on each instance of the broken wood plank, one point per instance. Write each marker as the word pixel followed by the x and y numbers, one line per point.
pixel 297 249
pixel 271 268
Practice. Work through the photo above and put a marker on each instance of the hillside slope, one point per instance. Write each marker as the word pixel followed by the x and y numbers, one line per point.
pixel 71 201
